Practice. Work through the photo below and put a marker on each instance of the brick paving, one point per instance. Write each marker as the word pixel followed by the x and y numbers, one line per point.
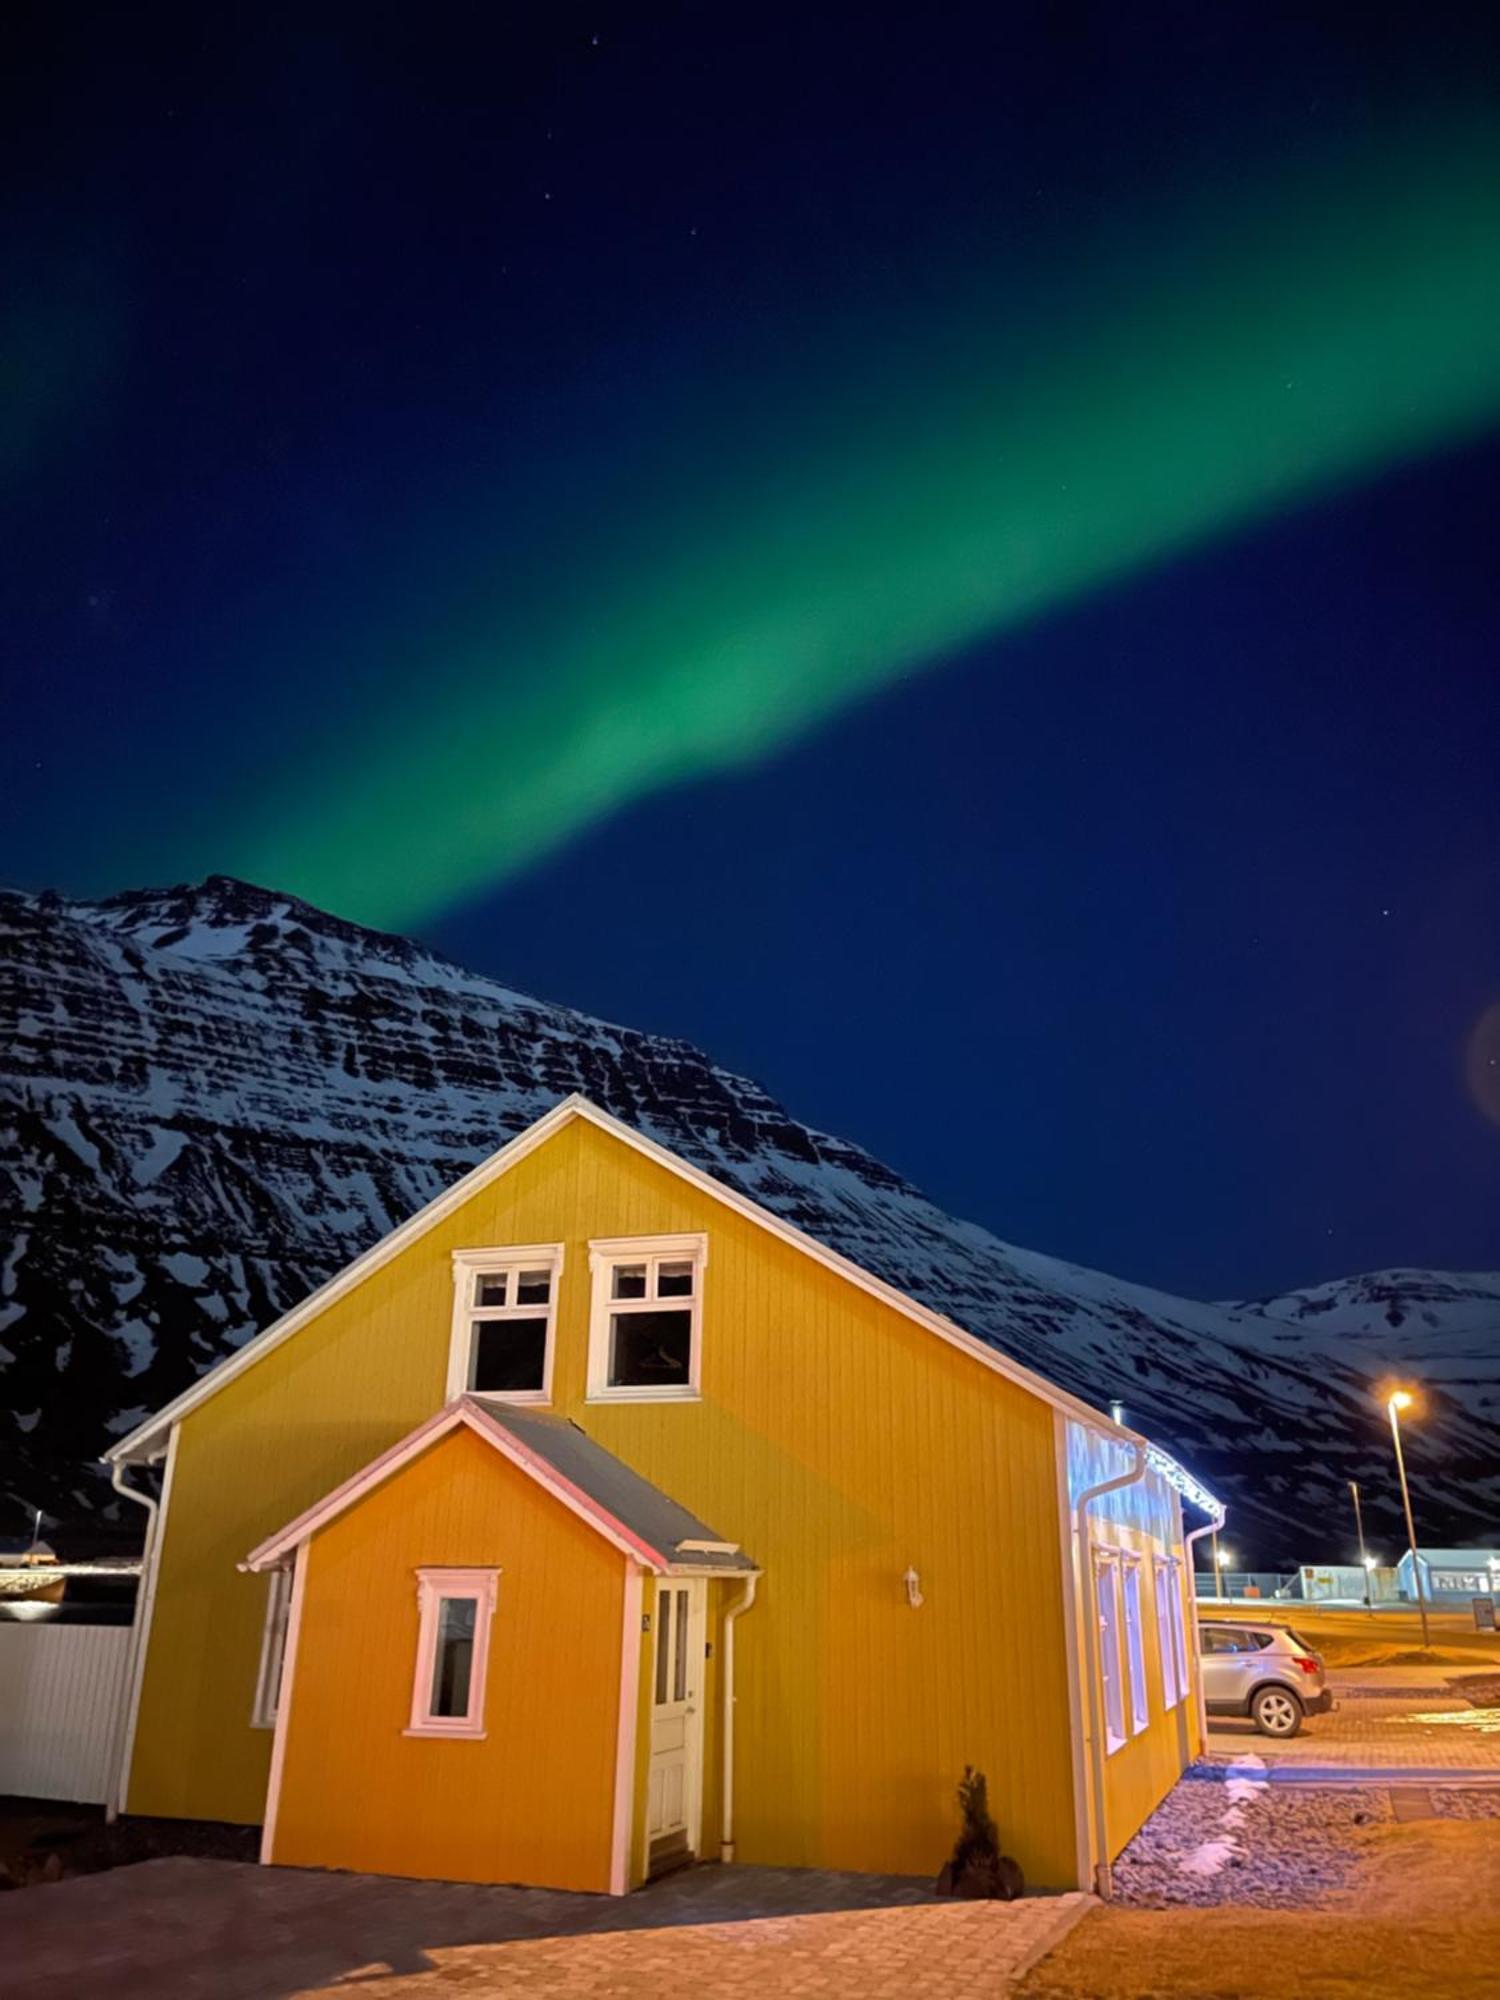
pixel 183 1929
pixel 1373 1728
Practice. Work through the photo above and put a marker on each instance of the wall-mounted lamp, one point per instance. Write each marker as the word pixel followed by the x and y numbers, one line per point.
pixel 1117 1411
pixel 913 1589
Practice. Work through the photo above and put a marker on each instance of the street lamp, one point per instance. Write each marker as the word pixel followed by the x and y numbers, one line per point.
pixel 1223 1559
pixel 1359 1528
pixel 1396 1402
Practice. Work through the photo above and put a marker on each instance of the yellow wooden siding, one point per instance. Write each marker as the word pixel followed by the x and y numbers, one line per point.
pixel 837 1440
pixel 533 1801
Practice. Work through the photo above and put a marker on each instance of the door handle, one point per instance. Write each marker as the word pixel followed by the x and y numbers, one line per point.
pixel 690 1711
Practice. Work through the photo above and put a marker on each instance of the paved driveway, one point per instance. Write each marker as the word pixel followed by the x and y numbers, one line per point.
pixel 223 1930
pixel 1386 1720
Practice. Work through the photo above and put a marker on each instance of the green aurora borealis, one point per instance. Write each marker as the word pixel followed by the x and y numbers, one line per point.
pixel 867 500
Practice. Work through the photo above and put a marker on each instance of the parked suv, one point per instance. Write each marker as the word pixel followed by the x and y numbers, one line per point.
pixel 1267 1672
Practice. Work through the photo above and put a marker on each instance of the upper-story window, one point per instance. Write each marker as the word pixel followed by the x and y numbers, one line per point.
pixel 646 1328
pixel 504 1321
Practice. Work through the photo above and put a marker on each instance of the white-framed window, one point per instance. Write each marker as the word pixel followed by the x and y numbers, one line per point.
pixel 272 1649
pixel 646 1324
pixel 1170 1637
pixel 504 1322
pixel 1135 1643
pixel 1107 1609
pixel 455 1608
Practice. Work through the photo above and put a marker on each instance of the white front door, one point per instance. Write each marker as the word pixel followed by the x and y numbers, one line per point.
pixel 676 1719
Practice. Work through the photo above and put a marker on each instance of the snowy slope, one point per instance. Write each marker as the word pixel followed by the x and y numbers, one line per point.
pixel 215 1096
pixel 1440 1329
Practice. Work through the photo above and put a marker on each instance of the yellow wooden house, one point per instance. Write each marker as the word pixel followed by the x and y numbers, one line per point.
pixel 597 1520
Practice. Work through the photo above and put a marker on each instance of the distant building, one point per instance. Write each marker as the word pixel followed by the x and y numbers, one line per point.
pixel 29 1572
pixel 1450 1575
pixel 1344 1583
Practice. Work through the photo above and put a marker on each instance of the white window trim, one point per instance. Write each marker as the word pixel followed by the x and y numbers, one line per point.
pixel 1133 1643
pixel 270 1672
pixel 1171 1636
pixel 467 1265
pixel 604 1253
pixel 433 1586
pixel 1107 1564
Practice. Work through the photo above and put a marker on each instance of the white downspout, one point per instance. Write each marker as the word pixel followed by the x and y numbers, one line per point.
pixel 115 1799
pixel 726 1790
pixel 1191 1581
pixel 1103 1878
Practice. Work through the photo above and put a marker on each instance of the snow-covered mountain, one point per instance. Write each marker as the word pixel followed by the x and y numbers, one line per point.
pixel 1441 1328
pixel 212 1097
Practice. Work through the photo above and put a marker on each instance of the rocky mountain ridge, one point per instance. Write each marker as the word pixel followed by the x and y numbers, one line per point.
pixel 213 1096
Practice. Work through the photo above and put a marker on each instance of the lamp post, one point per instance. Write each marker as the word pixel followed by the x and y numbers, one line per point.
pixel 1396 1402
pixel 1222 1559
pixel 1359 1529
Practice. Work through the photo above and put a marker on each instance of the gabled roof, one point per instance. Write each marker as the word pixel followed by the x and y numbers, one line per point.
pixel 628 1511
pixel 149 1440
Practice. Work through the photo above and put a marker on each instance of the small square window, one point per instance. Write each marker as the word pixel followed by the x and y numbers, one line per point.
pixel 505 1303
pixel 645 1332
pixel 647 1349
pixel 508 1356
pixel 630 1281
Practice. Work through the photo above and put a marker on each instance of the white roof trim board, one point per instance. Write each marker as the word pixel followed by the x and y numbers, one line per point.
pixel 634 1516
pixel 148 1441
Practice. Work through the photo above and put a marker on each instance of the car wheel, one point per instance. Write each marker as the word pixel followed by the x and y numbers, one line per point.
pixel 1276 1712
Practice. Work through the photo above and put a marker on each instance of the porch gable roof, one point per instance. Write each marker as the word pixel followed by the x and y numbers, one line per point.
pixel 640 1520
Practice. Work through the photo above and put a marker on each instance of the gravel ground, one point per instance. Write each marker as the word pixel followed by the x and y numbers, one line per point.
pixel 1421 1921
pixel 42 1842
pixel 1276 1848
pixel 1483 1690
pixel 1453 1803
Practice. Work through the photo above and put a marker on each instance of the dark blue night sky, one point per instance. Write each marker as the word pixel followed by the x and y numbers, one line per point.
pixel 948 557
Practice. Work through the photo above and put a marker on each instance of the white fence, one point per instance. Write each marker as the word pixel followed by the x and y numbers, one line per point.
pixel 60 1692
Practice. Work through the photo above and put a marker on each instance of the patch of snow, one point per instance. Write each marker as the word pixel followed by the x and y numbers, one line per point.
pixel 165 1147
pixel 185 1268
pixel 139 1342
pixel 127 1420
pixel 1245 1784
pixel 1210 1857
pixel 62 1126
pixel 1485 1720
